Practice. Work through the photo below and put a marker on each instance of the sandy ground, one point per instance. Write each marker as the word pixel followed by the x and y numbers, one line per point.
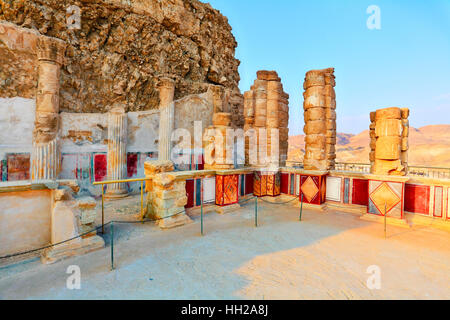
pixel 325 256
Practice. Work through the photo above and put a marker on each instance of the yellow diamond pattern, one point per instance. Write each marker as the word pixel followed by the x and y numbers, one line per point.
pixel 384 194
pixel 309 189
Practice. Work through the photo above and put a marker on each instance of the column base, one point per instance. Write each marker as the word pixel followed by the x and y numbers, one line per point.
pixel 77 247
pixel 175 221
pixel 120 194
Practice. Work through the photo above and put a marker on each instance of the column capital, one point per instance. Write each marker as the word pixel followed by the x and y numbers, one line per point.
pixel 51 49
pixel 165 82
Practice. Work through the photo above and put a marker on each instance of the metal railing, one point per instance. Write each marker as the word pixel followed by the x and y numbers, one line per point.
pixel 420 171
pixel 102 183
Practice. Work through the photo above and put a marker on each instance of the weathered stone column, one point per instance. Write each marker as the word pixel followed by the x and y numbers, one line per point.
pixel 45 156
pixel 320 120
pixel 266 110
pixel 117 152
pixel 166 87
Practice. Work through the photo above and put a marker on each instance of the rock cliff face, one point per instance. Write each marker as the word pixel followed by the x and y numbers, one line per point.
pixel 123 45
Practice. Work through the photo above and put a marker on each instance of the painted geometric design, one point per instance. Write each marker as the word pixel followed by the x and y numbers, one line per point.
pixel 384 195
pixel 219 190
pixel 309 189
pixel 257 184
pixel 230 189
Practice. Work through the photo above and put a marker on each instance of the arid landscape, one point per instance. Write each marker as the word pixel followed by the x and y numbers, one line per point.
pixel 428 146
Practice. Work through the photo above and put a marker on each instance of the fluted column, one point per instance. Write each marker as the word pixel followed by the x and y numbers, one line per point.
pixel 45 156
pixel 117 152
pixel 166 87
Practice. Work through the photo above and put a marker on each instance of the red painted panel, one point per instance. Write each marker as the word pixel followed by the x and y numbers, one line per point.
pixel 249 183
pixel 285 183
pixel 360 192
pixel 417 198
pixel 132 163
pixel 201 162
pixel 190 193
pixel 18 167
pixel 100 167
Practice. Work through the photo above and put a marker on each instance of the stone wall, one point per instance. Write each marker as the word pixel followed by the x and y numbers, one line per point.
pixel 120 50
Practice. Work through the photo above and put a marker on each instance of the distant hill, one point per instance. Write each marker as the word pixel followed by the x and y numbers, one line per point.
pixel 428 146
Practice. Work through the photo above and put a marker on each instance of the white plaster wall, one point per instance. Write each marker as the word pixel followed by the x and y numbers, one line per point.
pixel 143 128
pixel 83 132
pixel 25 219
pixel 16 125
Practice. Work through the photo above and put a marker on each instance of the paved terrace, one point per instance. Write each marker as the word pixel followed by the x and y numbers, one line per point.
pixel 323 257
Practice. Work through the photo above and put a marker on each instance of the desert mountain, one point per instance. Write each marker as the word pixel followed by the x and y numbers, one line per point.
pixel 428 146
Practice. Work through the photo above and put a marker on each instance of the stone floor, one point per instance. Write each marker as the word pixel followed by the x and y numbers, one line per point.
pixel 325 256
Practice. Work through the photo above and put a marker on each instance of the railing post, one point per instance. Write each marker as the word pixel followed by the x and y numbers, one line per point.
pixel 301 206
pixel 112 245
pixel 385 220
pixel 103 210
pixel 142 201
pixel 201 211
pixel 256 211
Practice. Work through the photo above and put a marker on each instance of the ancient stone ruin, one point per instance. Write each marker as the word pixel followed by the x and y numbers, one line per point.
pixel 320 120
pixel 266 111
pixel 389 130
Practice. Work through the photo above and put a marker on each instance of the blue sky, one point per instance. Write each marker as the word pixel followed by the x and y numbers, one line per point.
pixel 405 64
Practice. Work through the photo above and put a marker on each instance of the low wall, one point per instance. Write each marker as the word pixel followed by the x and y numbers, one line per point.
pixel 25 217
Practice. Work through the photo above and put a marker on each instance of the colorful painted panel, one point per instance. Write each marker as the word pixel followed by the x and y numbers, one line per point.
pixel 346 190
pixel 209 190
pixel 292 184
pixel 230 189
pixel 190 193
pixel 242 185
pixel 417 198
pixel 386 196
pixel 249 183
pixel 4 172
pixel 132 164
pixel 284 188
pixel 257 184
pixel 198 192
pixel 334 189
pixel 18 166
pixel 310 189
pixel 360 192
pixel 438 207
pixel 69 164
pixel 100 167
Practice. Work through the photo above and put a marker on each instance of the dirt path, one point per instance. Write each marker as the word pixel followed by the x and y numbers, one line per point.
pixel 325 256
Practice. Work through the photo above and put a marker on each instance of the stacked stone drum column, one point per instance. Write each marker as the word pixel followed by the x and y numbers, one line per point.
pixel 45 161
pixel 320 120
pixel 117 152
pixel 266 110
pixel 166 87
pixel 218 150
pixel 389 130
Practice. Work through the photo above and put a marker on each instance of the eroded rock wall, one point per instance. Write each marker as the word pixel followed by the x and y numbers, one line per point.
pixel 123 46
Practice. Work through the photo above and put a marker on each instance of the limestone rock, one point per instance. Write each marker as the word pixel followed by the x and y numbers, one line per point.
pixel 125 46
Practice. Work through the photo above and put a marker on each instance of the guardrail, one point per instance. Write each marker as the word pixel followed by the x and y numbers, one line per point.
pixel 421 171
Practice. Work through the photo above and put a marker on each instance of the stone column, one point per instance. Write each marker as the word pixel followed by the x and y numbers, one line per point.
pixel 320 120
pixel 45 156
pixel 117 152
pixel 166 87
pixel 266 109
pixel 389 141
